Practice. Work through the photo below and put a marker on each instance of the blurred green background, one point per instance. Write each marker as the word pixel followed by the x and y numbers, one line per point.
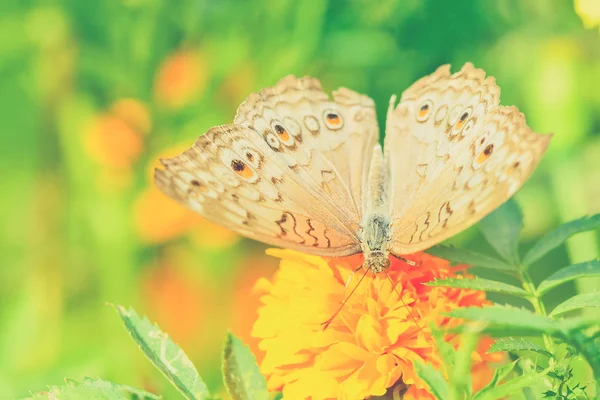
pixel 93 92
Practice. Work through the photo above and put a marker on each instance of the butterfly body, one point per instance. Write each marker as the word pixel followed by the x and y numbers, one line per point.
pixel 299 170
pixel 375 233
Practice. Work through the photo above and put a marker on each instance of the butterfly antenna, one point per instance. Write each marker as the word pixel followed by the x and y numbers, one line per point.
pixel 402 301
pixel 330 320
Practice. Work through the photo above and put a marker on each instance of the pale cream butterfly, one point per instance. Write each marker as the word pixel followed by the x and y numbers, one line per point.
pixel 298 170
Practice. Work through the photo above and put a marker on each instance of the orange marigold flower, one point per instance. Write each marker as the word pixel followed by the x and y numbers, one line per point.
pixel 373 341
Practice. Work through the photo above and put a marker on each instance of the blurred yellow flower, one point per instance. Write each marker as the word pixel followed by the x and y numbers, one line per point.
pixel 373 341
pixel 589 12
pixel 180 79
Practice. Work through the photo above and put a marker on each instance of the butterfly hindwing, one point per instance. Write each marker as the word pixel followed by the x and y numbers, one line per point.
pixel 454 155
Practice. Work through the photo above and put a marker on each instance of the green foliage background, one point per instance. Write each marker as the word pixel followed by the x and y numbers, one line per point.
pixel 68 244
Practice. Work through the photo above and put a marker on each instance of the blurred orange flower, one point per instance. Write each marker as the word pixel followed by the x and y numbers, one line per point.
pixel 245 303
pixel 180 79
pixel 373 341
pixel 180 303
pixel 159 218
pixel 115 138
pixel 134 113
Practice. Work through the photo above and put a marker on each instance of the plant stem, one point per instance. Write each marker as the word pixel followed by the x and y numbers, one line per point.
pixel 536 301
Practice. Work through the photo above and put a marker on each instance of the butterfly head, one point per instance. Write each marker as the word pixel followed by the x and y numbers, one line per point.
pixel 377 261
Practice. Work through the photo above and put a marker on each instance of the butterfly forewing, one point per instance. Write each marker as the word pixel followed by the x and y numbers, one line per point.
pixel 326 143
pixel 288 172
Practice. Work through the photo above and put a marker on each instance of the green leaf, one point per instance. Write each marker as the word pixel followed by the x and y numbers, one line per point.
pixel 94 389
pixel 576 302
pixel 584 269
pixel 165 355
pixel 460 376
pixel 511 344
pixel 588 346
pixel 559 235
pixel 464 256
pixel 433 378
pixel 578 323
pixel 241 374
pixel 480 284
pixel 508 321
pixel 499 375
pixel 512 386
pixel 501 229
pixel 443 347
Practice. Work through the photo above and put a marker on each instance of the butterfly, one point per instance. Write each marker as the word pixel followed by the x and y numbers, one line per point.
pixel 300 170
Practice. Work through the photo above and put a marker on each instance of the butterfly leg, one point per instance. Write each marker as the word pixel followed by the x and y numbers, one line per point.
pixel 405 260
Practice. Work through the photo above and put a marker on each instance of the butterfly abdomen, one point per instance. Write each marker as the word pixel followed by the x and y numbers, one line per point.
pixel 375 242
pixel 376 233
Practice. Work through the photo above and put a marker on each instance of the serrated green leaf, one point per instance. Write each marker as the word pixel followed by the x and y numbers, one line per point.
pixel 241 374
pixel 94 389
pixel 464 256
pixel 512 386
pixel 512 344
pixel 576 302
pixel 508 321
pixel 433 378
pixel 499 375
pixel 165 355
pixel 581 270
pixel 134 393
pixel 559 235
pixel 480 284
pixel 501 229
